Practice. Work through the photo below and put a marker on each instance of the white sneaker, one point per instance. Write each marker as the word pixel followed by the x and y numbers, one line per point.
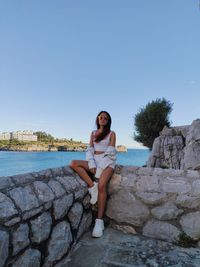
pixel 94 193
pixel 98 228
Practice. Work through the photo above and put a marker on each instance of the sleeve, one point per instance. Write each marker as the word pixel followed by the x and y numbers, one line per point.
pixel 90 157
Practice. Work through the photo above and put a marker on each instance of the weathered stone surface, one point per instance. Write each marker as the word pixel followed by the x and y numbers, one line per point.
pixel 23 178
pixel 20 238
pixel 30 258
pixel 75 215
pixel 24 198
pixel 86 201
pixel 126 250
pixel 62 205
pixel 70 183
pixel 124 207
pixel 12 221
pixel 161 230
pixel 175 185
pixel 57 172
pixel 60 241
pixel 80 193
pixel 41 227
pixel 190 202
pixel 68 171
pixel 152 198
pixel 7 208
pixel 45 174
pixel 4 243
pixel 168 211
pixel 85 223
pixel 43 191
pixel 191 156
pixel 5 182
pixel 31 213
pixel 191 224
pixel 193 133
pixel 115 183
pixel 196 188
pixel 148 184
pixel 56 187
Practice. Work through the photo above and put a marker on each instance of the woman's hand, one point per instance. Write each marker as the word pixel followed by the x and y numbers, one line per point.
pixel 93 170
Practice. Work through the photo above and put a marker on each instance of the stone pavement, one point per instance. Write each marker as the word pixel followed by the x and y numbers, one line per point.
pixel 116 248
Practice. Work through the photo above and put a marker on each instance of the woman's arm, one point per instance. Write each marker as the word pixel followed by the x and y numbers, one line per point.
pixel 91 140
pixel 113 139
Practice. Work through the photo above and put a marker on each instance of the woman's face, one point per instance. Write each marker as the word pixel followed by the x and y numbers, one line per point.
pixel 103 119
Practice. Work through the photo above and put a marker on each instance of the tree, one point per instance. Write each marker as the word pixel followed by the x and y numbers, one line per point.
pixel 150 120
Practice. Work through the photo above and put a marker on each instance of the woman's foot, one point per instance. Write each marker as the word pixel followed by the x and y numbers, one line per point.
pixel 94 193
pixel 98 228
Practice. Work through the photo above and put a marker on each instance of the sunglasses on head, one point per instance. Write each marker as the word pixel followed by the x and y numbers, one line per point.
pixel 103 117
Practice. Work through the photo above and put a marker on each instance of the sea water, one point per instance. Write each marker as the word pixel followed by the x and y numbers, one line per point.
pixel 12 163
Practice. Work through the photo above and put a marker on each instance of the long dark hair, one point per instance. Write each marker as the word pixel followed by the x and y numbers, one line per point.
pixel 106 128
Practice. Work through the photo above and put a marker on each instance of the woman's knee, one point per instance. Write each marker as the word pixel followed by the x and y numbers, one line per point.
pixel 73 164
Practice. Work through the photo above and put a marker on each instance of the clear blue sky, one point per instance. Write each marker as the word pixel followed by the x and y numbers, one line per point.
pixel 61 62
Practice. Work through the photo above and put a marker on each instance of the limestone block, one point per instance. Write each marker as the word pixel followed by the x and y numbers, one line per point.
pixel 31 213
pixel 24 197
pixel 20 238
pixel 5 182
pixel 191 224
pixel 115 183
pixel 175 185
pixel 161 230
pixel 148 184
pixel 60 242
pixel 70 183
pixel 75 215
pixel 43 191
pixel 30 258
pixel 7 208
pixel 167 211
pixel 86 201
pixel 152 198
pixel 196 188
pixel 57 172
pixel 23 178
pixel 13 221
pixel 80 193
pixel 4 243
pixel 187 201
pixel 56 187
pixel 194 132
pixel 124 207
pixel 41 227
pixel 85 223
pixel 191 157
pixel 62 205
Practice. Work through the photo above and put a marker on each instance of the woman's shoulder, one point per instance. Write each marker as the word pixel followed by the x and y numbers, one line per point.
pixel 112 133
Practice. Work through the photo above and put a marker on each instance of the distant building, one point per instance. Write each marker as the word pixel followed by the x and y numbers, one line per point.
pixel 5 136
pixel 19 135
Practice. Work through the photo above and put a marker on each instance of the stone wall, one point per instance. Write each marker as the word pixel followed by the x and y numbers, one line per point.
pixel 155 202
pixel 42 215
pixel 177 147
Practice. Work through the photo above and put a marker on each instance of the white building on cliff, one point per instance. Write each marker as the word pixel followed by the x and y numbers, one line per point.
pixel 19 135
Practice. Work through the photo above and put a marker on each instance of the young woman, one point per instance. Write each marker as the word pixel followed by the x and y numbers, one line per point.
pixel 100 161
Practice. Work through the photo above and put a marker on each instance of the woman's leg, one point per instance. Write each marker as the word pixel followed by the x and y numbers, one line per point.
pixel 102 195
pixel 81 167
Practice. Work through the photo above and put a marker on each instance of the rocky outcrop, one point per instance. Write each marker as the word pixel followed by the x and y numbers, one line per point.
pixel 42 215
pixel 177 148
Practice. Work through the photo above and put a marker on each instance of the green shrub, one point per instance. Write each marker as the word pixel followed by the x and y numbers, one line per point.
pixel 150 120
